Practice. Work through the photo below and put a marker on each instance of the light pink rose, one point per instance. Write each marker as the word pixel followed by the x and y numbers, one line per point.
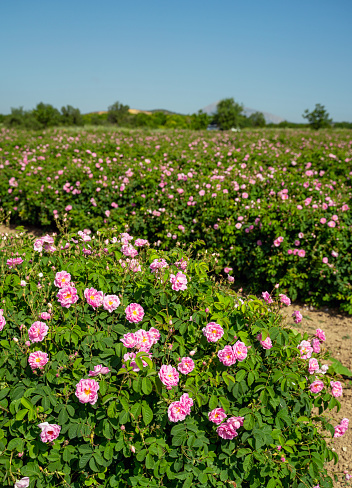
pixel 266 344
pixel 134 313
pixel 111 302
pixel 45 316
pixel 178 281
pixel 186 365
pixel 187 402
pixel 316 386
pixel 267 297
pixel 67 296
pixel 99 369
pixel 87 391
pixel 235 422
pixel 240 351
pixel 227 356
pixel 2 320
pixel 177 412
pixel 305 349
pixel 336 388
pixel 129 340
pixel 62 278
pixel 297 316
pixel 320 335
pixel 94 298
pixel 129 251
pixel 213 332
pixel 169 376
pixel 226 431
pixel 313 365
pixel 38 331
pixel 144 340
pixel 316 345
pixel 22 483
pixel 158 264
pixel 49 432
pixel 154 334
pixel 217 415
pixel 38 359
pixel 284 299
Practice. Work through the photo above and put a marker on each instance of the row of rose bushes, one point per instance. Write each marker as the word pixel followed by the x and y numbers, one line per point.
pixel 145 371
pixel 279 200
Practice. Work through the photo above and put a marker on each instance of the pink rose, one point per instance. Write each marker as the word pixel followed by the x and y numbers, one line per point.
pixel 320 335
pixel 67 296
pixel 313 365
pixel 37 331
pixel 187 402
pixel 2 320
pixel 186 365
pixel 336 388
pixel 267 297
pixel 168 376
pixel 145 340
pixel 226 431
pixel 37 359
pixel 305 349
pixel 213 332
pixel 266 344
pixel 179 281
pixel 217 415
pixel 94 298
pixel 134 313
pixel 62 278
pixel 316 345
pixel 45 316
pixel 87 391
pixel 154 334
pixel 22 483
pixel 129 340
pixel 177 412
pixel 99 369
pixel 49 432
pixel 240 351
pixel 316 386
pixel 297 316
pixel 227 356
pixel 111 302
pixel 284 299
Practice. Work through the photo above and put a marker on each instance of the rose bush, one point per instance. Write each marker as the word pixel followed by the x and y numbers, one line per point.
pixel 173 386
pixel 279 199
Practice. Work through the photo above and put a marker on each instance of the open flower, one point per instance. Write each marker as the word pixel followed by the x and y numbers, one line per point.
pixel 37 359
pixel 134 313
pixel 87 391
pixel 37 331
pixel 94 298
pixel 99 369
pixel 213 332
pixel 111 302
pixel 49 432
pixel 169 376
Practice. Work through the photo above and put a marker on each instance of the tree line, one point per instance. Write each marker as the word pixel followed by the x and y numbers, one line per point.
pixel 229 115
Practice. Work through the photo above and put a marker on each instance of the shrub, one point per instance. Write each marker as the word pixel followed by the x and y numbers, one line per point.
pixel 123 365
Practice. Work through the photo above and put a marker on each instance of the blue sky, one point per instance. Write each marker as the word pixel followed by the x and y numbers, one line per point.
pixel 274 56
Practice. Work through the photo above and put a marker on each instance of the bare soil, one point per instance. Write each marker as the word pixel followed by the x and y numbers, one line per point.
pixel 338 332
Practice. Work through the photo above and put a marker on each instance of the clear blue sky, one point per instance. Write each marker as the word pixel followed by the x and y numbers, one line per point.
pixel 275 56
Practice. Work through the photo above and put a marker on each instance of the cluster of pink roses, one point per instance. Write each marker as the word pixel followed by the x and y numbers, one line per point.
pixel 230 354
pixel 158 264
pixel 306 348
pixel 142 339
pixel 178 411
pixel 213 332
pixel 67 294
pixel 267 297
pixel 228 429
pixel 46 243
pixel 97 298
pixel 11 263
pixel 318 385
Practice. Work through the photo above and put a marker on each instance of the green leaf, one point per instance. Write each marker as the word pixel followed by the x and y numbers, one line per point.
pixel 225 403
pixel 147 386
pixel 213 402
pixel 147 413
pixel 149 461
pixel 21 414
pixel 83 460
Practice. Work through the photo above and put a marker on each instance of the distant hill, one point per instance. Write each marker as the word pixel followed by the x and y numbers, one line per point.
pixel 269 118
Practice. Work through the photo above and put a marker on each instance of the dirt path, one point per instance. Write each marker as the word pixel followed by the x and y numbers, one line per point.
pixel 338 332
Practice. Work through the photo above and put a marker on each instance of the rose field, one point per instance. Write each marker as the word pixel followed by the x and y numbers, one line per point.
pixel 143 331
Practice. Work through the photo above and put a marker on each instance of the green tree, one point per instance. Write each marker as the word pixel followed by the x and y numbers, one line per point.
pixel 71 116
pixel 318 118
pixel 228 114
pixel 257 119
pixel 46 115
pixel 117 113
pixel 200 120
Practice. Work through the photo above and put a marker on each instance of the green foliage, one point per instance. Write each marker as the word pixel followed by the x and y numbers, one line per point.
pixel 71 116
pixel 117 113
pixel 317 118
pixel 46 115
pixel 228 114
pixel 126 438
